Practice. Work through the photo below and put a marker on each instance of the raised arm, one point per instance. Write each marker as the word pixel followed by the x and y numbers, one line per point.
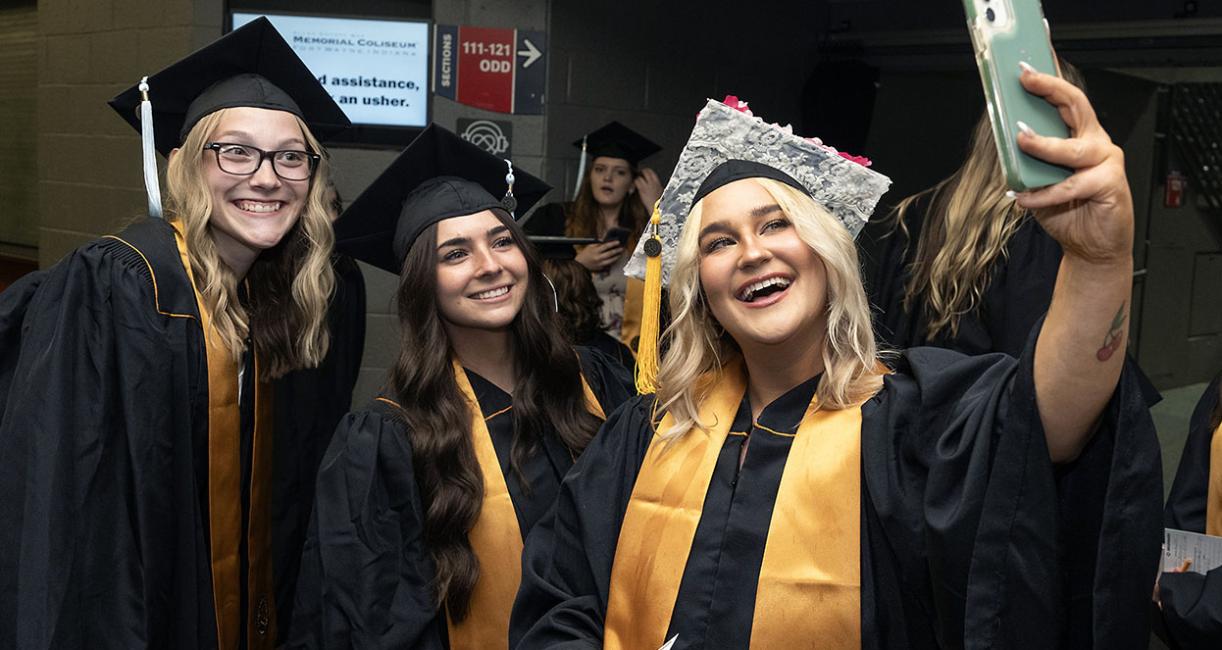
pixel 1080 350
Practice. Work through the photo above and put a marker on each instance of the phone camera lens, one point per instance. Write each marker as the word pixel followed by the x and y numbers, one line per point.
pixel 988 13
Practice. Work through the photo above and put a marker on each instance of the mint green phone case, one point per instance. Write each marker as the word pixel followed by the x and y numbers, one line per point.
pixel 997 57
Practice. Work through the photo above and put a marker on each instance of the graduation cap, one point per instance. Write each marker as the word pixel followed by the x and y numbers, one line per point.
pixel 727 144
pixel 251 66
pixel 438 176
pixel 617 141
pixel 614 140
pixel 559 248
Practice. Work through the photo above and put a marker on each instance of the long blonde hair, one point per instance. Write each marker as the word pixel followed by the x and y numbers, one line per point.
pixel 968 223
pixel 288 287
pixel 698 348
pixel 966 229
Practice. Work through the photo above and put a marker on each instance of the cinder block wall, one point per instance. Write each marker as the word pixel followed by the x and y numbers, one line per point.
pixel 652 65
pixel 18 119
pixel 89 178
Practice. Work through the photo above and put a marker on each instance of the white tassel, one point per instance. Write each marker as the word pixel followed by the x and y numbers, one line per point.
pixel 148 144
pixel 581 169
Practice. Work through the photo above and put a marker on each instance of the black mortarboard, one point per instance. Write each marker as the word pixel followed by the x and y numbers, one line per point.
pixel 250 66
pixel 559 248
pixel 618 141
pixel 438 176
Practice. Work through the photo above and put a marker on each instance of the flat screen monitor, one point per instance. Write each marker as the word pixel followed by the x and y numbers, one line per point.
pixel 376 69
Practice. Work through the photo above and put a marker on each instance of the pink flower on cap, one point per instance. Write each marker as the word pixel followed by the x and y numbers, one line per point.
pixel 860 160
pixel 735 103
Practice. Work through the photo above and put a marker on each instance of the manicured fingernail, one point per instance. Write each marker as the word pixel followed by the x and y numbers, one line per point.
pixel 1026 66
pixel 1011 194
pixel 1022 126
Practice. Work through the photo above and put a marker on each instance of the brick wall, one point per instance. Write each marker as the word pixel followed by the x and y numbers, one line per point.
pixel 652 65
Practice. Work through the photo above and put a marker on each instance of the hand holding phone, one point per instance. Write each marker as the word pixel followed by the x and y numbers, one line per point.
pixel 617 234
pixel 1006 33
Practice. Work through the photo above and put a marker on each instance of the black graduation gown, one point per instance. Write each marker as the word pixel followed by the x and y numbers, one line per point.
pixel 309 404
pixel 366 574
pixel 962 541
pixel 104 431
pixel 1192 603
pixel 1019 291
pixel 612 347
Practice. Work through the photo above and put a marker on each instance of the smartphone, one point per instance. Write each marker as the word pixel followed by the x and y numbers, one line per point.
pixel 617 233
pixel 1005 32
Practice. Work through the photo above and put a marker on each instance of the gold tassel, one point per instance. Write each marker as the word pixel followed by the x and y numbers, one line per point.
pixel 651 312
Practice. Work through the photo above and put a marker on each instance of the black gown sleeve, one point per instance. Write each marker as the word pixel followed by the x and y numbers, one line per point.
pixel 1192 603
pixel 365 574
pixel 1192 608
pixel 611 382
pixel 1186 504
pixel 1011 550
pixel 566 563
pixel 94 447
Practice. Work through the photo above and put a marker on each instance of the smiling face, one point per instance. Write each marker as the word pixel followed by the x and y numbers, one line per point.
pixel 610 180
pixel 252 213
pixel 763 283
pixel 482 275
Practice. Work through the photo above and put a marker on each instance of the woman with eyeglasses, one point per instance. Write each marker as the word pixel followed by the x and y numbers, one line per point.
pixel 142 503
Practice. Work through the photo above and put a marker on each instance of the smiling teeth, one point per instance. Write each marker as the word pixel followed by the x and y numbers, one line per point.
pixel 491 293
pixel 748 294
pixel 259 206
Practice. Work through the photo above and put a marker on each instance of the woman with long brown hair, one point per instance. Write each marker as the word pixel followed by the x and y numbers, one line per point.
pixel 962 265
pixel 425 497
pixel 785 485
pixel 142 506
pixel 613 204
pixel 1190 599
pixel 578 306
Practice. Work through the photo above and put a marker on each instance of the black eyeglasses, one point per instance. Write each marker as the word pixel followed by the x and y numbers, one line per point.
pixel 244 160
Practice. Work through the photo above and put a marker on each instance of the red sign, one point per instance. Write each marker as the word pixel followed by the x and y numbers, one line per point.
pixel 485 65
pixel 500 70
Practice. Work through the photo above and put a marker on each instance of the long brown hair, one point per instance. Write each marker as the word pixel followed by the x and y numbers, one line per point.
pixel 584 216
pixel 966 228
pixel 547 397
pixel 580 306
pixel 289 286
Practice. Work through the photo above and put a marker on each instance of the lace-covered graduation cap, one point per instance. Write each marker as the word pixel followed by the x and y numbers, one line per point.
pixel 728 144
pixel 250 66
pixel 613 140
pixel 438 176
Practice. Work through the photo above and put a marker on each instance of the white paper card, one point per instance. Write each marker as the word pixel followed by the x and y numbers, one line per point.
pixel 1204 551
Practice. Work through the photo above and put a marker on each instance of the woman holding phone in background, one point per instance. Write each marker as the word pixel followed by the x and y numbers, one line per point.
pixel 613 206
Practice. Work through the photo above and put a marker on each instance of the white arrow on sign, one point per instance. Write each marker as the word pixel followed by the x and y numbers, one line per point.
pixel 532 53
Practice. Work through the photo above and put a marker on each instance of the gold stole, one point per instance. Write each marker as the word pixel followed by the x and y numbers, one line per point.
pixel 810 580
pixel 495 538
pixel 225 491
pixel 1213 504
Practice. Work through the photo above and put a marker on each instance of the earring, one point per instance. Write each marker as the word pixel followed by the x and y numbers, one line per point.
pixel 555 296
